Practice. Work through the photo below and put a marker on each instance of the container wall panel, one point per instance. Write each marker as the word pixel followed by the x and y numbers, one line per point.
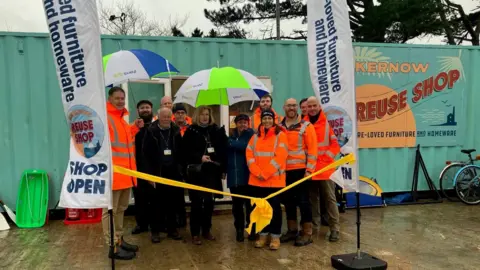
pixel 34 134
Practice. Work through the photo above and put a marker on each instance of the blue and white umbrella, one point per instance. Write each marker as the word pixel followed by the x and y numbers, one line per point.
pixel 135 64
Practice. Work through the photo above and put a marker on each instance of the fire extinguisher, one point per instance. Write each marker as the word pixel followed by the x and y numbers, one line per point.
pixel 73 214
pixel 91 213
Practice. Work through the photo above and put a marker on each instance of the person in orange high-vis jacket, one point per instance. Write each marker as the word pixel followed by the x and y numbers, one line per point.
pixel 266 156
pixel 301 162
pixel 265 103
pixel 122 142
pixel 328 148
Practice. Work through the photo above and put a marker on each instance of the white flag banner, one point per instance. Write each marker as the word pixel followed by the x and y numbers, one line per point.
pixel 331 62
pixel 75 39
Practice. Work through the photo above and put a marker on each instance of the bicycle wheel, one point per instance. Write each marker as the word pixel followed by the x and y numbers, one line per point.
pixel 446 181
pixel 467 184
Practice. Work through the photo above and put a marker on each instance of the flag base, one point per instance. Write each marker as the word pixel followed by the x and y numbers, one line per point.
pixel 351 261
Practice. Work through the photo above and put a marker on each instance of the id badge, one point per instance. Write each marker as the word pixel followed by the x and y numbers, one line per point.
pixel 167 152
pixel 210 150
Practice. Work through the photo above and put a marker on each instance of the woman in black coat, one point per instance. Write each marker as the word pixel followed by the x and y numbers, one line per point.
pixel 204 147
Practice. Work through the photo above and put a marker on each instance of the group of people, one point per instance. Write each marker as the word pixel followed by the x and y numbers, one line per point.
pixel 264 153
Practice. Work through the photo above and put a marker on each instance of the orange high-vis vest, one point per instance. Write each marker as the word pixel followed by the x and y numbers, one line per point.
pixel 267 157
pixel 327 144
pixel 302 146
pixel 122 139
pixel 256 118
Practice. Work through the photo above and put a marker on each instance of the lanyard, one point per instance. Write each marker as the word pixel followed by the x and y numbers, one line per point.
pixel 168 139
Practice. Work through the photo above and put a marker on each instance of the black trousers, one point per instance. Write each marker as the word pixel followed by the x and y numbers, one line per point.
pixel 163 212
pixel 297 197
pixel 141 193
pixel 201 212
pixel 275 226
pixel 241 208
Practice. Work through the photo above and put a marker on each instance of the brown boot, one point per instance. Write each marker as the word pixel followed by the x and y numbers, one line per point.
pixel 275 243
pixel 292 232
pixel 305 238
pixel 261 241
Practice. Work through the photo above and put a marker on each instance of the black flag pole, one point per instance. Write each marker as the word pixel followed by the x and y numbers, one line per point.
pixel 357 260
pixel 112 238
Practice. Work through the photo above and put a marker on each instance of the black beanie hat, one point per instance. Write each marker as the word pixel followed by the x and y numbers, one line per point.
pixel 267 112
pixel 141 102
pixel 179 107
pixel 241 117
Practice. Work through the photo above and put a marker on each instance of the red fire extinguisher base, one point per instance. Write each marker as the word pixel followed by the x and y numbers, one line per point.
pixel 82 216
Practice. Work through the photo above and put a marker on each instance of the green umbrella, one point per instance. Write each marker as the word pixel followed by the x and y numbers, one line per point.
pixel 220 86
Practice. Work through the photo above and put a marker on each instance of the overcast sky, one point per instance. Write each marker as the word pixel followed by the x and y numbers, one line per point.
pixel 28 16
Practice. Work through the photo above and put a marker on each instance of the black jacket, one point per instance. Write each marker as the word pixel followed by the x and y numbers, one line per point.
pixel 194 145
pixel 153 150
pixel 139 155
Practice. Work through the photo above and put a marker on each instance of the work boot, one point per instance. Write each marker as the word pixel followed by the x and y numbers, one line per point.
pixel 128 247
pixel 261 241
pixel 240 236
pixel 174 235
pixel 209 236
pixel 139 230
pixel 305 237
pixel 334 236
pixel 275 243
pixel 156 238
pixel 196 240
pixel 292 232
pixel 121 254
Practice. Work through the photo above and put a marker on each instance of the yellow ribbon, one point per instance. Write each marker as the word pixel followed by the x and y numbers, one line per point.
pixel 263 212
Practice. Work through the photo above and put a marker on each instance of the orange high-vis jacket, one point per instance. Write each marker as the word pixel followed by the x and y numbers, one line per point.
pixel 122 139
pixel 302 146
pixel 256 118
pixel 327 144
pixel 267 157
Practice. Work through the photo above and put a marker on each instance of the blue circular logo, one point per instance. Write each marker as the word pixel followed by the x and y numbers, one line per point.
pixel 86 130
pixel 340 122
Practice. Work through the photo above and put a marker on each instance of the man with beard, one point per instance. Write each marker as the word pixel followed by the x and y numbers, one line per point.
pixel 162 158
pixel 301 162
pixel 140 193
pixel 266 103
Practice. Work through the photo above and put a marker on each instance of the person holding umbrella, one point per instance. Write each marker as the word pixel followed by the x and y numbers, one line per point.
pixel 205 154
pixel 267 160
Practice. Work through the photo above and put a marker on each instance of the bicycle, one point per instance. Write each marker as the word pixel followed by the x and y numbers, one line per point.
pixel 449 172
pixel 467 179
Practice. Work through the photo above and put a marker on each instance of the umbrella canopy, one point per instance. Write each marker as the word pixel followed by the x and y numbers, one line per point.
pixel 135 64
pixel 220 86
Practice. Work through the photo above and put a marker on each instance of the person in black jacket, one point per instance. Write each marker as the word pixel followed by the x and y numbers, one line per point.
pixel 204 151
pixel 141 191
pixel 161 149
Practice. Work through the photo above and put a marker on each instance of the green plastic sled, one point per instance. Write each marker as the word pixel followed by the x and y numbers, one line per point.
pixel 32 200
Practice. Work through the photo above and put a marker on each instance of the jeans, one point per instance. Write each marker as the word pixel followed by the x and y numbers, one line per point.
pixel 298 196
pixel 241 218
pixel 275 226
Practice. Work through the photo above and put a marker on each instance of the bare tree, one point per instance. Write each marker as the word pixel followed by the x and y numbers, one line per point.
pixel 126 19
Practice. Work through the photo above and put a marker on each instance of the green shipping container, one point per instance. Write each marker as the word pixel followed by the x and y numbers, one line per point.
pixel 406 95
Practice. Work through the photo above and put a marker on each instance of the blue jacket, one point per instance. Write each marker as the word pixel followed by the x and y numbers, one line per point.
pixel 237 169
